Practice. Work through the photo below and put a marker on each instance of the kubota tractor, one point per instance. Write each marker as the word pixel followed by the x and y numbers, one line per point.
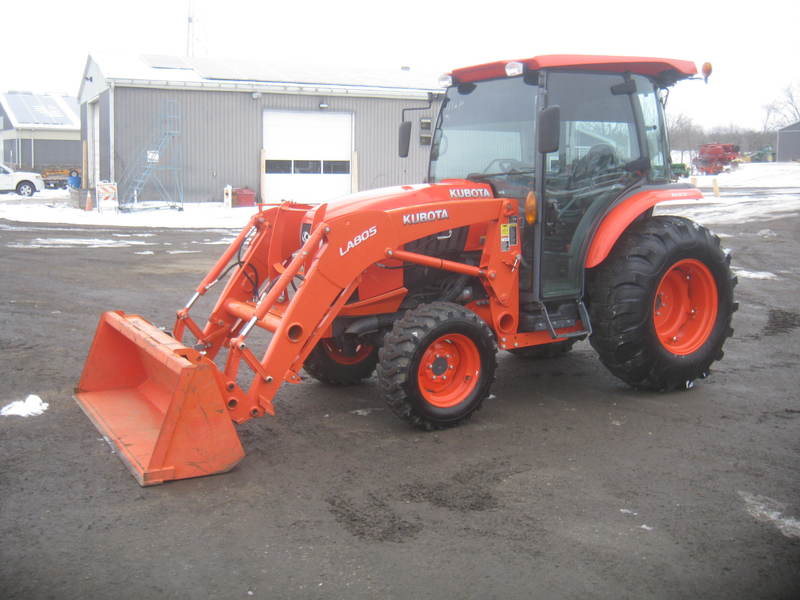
pixel 535 230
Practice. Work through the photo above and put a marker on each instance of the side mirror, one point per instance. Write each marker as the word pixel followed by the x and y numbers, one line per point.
pixel 405 138
pixel 549 129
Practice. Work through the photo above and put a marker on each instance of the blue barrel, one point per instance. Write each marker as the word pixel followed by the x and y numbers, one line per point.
pixel 74 181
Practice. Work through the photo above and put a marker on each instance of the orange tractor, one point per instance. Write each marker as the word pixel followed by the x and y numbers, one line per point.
pixel 535 230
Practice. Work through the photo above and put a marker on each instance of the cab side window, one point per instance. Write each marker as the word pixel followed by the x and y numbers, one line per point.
pixel 653 116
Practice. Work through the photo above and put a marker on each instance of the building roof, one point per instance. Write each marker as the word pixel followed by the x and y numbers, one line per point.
pixel 793 127
pixel 253 75
pixel 26 110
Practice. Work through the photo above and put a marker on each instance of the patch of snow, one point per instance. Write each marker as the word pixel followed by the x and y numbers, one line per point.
pixel 734 206
pixel 30 407
pixel 363 412
pixel 735 209
pixel 754 274
pixel 80 243
pixel 647 528
pixel 773 175
pixel 627 511
pixel 193 216
pixel 768 510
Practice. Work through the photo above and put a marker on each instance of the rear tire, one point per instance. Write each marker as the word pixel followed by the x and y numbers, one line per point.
pixel 661 304
pixel 330 363
pixel 437 365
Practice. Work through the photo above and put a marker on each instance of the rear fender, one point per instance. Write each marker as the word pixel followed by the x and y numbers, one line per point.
pixel 619 218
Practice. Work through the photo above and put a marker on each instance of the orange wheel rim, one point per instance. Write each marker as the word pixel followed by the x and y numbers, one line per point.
pixel 336 354
pixel 449 370
pixel 685 306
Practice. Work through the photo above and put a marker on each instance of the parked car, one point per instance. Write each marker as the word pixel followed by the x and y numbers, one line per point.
pixel 22 182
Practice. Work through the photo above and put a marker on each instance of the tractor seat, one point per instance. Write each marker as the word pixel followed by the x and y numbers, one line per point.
pixel 600 159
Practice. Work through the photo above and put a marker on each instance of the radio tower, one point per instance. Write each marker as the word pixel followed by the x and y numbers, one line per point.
pixel 190 32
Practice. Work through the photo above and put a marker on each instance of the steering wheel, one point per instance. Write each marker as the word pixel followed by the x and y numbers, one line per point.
pixel 505 165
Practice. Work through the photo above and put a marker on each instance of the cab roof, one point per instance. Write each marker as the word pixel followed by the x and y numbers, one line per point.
pixel 665 71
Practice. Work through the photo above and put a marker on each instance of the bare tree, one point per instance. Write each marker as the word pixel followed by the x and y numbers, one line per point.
pixel 791 103
pixel 684 135
pixel 772 115
pixel 785 110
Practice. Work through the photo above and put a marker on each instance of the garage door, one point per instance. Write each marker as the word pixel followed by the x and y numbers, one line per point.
pixel 307 156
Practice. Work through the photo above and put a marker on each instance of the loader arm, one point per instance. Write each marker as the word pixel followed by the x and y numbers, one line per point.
pixel 169 411
pixel 323 274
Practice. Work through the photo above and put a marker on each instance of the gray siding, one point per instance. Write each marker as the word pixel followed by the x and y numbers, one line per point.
pixel 11 153
pixel 221 136
pixel 24 155
pixel 84 123
pixel 47 153
pixel 5 123
pixel 57 153
pixel 789 143
pixel 105 135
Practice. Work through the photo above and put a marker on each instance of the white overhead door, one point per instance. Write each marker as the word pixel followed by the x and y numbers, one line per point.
pixel 307 156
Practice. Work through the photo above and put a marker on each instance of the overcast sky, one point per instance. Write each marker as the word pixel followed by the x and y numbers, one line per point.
pixel 753 46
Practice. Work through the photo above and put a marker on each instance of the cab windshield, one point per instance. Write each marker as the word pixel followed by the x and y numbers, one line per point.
pixel 486 132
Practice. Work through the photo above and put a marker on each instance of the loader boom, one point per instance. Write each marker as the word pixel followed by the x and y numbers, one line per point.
pixel 295 293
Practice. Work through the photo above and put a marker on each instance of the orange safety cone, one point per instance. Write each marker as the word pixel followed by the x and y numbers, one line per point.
pixel 89 204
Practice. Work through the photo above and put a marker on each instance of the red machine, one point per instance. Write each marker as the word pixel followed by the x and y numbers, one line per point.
pixel 714 158
pixel 535 231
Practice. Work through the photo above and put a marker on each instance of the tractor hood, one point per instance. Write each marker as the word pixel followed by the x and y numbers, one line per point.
pixel 399 197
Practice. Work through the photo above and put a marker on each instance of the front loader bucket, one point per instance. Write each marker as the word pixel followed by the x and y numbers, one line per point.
pixel 157 402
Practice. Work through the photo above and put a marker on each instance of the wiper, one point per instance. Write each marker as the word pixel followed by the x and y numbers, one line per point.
pixel 501 173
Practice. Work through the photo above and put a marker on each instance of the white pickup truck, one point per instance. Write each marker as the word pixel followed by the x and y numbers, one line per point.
pixel 21 182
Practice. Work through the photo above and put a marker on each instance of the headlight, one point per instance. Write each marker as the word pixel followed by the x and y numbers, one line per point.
pixel 514 68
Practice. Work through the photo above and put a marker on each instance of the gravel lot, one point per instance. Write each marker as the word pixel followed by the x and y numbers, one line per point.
pixel 567 484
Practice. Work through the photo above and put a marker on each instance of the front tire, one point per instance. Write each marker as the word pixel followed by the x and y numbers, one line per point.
pixel 331 362
pixel 25 188
pixel 437 365
pixel 661 304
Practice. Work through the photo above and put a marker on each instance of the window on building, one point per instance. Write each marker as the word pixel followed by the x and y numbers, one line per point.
pixel 278 166
pixel 336 167
pixel 307 167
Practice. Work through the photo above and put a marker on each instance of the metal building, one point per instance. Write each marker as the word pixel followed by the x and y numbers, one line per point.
pixel 286 132
pixel 788 143
pixel 39 131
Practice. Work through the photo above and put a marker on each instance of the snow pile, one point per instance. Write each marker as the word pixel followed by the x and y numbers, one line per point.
pixel 757 175
pixel 30 407
pixel 54 207
pixel 755 192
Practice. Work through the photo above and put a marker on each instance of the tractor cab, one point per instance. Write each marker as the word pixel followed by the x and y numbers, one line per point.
pixel 577 133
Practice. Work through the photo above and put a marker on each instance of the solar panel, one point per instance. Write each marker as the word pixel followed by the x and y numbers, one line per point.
pixel 33 109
